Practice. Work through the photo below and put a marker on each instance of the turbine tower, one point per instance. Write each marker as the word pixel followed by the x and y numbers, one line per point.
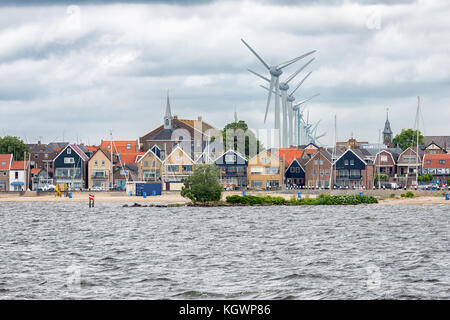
pixel 275 73
pixel 286 101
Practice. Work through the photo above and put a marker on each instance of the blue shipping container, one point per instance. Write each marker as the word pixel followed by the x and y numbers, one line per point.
pixel 148 188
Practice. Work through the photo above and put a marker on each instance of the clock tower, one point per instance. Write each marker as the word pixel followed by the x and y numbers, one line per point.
pixel 387 132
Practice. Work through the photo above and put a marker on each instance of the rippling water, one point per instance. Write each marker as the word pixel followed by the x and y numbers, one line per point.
pixel 66 250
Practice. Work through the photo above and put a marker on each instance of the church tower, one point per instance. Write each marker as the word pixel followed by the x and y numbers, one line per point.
pixel 168 116
pixel 387 132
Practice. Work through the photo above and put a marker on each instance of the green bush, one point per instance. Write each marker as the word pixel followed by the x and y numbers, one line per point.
pixel 203 185
pixel 409 194
pixel 322 199
pixel 402 195
pixel 392 195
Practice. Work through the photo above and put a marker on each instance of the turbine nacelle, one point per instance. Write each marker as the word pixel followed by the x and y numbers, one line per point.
pixel 275 72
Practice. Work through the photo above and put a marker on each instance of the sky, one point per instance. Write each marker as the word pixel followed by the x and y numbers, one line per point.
pixel 79 70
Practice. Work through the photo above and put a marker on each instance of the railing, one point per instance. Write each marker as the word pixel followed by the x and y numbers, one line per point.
pixel 99 176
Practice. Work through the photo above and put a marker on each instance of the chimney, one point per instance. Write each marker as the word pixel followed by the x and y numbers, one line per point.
pixel 199 118
pixel 175 117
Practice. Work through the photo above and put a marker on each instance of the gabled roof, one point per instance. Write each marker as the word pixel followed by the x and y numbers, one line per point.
pixel 7 160
pixel 434 160
pixel 102 150
pixel 292 162
pixel 39 147
pixel 413 149
pixel 175 149
pixel 19 165
pixel 323 153
pixel 231 151
pixel 442 141
pixel 353 151
pixel 76 149
pixel 269 152
pixel 434 143
pixel 142 155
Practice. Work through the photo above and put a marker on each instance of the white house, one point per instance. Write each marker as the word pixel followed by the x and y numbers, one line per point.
pixel 18 176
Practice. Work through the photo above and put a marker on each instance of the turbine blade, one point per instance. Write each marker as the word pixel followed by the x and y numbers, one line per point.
pixel 300 83
pixel 306 100
pixel 254 52
pixel 258 75
pixel 287 63
pixel 264 87
pixel 299 70
pixel 272 82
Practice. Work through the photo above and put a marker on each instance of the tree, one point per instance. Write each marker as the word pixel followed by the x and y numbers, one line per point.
pixel 238 130
pixel 407 138
pixel 14 145
pixel 203 185
pixel 425 177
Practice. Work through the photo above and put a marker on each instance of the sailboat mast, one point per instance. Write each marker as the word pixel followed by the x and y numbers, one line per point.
pixel 112 166
pixel 417 140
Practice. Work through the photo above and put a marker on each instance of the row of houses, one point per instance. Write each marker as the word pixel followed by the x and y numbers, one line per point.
pixel 168 153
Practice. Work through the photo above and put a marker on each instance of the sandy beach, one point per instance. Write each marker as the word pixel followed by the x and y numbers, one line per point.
pixel 175 197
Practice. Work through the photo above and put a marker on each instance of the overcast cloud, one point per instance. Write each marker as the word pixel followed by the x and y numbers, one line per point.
pixel 83 68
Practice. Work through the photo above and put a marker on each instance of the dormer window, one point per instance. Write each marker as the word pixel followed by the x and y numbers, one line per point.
pixel 69 151
pixel 128 146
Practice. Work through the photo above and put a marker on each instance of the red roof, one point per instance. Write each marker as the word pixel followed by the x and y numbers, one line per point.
pixel 435 160
pixel 91 148
pixel 19 165
pixel 121 146
pixel 5 161
pixel 289 154
pixel 35 170
pixel 130 157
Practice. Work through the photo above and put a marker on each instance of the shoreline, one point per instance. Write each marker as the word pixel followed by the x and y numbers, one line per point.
pixel 168 198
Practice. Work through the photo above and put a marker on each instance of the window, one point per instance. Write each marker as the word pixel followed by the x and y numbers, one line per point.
pixel 230 158
pixel 256 170
pixel 69 160
pixel 103 162
pixel 441 161
pixel 265 160
pixel 69 151
pixel 352 162
pixel 409 158
pixel 257 184
pixel 343 173
pixel 173 168
pixel 95 162
pixel 128 146
pixel 36 156
pixel 355 173
pixel 293 169
pixel 383 158
pixel 153 163
pixel 316 162
pixel 145 163
pixel 272 170
pixel 298 170
pixel 16 175
pixel 321 162
pixel 109 147
pixel 46 156
pixel 187 168
pixel 428 161
pixel 346 162
pixel 3 163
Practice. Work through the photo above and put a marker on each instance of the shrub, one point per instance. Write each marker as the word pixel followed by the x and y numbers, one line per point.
pixel 322 199
pixel 203 185
pixel 392 195
pixel 402 195
pixel 409 194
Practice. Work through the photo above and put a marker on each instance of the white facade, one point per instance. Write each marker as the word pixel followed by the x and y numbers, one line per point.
pixel 17 180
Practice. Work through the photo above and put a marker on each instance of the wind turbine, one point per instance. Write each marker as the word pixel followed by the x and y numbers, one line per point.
pixel 275 73
pixel 287 112
pixel 298 127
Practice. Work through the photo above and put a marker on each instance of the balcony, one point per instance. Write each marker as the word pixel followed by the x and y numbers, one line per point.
pixel 99 175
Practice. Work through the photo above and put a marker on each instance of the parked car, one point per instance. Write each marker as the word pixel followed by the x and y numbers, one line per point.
pixel 98 189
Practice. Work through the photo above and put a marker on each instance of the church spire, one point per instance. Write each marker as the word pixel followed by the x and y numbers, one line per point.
pixel 387 132
pixel 168 116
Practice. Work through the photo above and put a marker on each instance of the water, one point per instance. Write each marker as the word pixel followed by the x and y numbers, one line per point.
pixel 66 250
